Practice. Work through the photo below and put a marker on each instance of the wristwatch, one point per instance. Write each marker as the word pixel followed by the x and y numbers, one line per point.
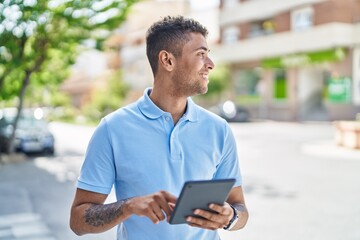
pixel 234 219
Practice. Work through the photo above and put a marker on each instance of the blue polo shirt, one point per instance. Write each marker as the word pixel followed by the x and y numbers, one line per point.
pixel 139 150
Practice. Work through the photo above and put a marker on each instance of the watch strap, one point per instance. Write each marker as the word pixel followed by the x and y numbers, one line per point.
pixel 234 219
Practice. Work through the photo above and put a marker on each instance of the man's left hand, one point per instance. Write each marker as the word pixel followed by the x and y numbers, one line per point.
pixel 212 221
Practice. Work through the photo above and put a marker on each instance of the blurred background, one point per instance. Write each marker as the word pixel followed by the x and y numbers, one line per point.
pixel 287 79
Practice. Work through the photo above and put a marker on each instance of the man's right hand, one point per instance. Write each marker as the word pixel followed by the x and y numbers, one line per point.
pixel 152 206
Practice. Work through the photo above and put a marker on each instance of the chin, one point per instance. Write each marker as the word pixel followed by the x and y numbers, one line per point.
pixel 203 91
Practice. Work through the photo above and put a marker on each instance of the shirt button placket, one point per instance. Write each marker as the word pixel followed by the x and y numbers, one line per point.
pixel 175 145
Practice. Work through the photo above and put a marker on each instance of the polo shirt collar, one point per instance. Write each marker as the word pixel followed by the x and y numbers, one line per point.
pixel 191 113
pixel 150 110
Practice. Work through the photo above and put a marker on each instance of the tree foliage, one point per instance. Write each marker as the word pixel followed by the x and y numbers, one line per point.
pixel 219 81
pixel 39 39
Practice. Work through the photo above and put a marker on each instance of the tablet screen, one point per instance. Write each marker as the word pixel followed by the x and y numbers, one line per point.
pixel 198 195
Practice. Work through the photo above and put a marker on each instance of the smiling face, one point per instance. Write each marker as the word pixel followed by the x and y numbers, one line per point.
pixel 191 74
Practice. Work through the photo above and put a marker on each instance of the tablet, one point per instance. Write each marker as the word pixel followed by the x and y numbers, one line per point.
pixel 198 195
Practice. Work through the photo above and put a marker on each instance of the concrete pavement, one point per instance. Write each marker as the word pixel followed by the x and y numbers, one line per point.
pixel 298 185
pixel 35 200
pixel 18 217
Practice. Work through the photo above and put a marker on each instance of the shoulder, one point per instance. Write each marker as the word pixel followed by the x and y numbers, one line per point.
pixel 206 115
pixel 121 114
pixel 212 122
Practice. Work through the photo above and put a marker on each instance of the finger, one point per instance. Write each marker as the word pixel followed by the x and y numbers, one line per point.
pixel 165 207
pixel 169 197
pixel 213 217
pixel 221 209
pixel 202 223
pixel 218 220
pixel 166 198
pixel 152 216
pixel 158 211
pixel 172 206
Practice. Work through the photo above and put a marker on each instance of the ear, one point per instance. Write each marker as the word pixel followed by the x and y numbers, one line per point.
pixel 166 60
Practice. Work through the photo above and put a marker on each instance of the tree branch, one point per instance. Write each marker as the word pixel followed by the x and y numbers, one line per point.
pixel 25 83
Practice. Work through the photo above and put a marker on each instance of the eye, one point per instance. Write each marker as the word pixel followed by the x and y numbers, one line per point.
pixel 202 54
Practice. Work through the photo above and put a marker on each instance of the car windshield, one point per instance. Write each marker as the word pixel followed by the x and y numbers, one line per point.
pixel 31 123
pixel 26 121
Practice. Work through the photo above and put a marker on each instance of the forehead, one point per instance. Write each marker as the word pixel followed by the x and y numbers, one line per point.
pixel 197 41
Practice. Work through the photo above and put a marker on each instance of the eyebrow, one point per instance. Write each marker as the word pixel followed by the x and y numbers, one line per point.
pixel 202 48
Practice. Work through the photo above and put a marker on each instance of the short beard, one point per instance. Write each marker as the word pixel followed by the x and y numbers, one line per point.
pixel 182 88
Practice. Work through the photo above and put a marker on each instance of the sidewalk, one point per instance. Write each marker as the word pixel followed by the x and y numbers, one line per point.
pixel 328 148
pixel 35 201
pixel 24 226
pixel 18 220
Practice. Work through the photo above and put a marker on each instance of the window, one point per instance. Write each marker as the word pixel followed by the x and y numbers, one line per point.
pixel 302 19
pixel 231 35
pixel 246 86
pixel 339 89
pixel 263 27
pixel 230 3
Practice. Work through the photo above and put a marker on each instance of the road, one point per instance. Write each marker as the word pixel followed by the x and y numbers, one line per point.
pixel 298 185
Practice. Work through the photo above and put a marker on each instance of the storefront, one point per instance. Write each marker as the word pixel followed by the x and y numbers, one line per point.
pixel 311 86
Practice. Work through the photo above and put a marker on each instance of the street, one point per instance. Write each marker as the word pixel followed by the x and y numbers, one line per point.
pixel 298 185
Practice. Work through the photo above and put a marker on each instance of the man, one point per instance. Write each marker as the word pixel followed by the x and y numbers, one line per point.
pixel 148 149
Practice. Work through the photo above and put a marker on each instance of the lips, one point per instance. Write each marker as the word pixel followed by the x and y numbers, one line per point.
pixel 205 75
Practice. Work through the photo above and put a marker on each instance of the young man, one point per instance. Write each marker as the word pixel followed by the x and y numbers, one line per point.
pixel 148 149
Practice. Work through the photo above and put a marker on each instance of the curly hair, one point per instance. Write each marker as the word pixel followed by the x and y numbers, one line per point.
pixel 170 34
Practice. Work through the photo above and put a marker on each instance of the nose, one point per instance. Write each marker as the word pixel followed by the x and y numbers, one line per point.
pixel 210 64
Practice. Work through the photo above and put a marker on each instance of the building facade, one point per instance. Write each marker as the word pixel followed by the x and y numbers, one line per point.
pixel 292 60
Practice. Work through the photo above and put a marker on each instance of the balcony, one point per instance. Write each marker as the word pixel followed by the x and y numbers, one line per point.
pixel 322 37
pixel 257 10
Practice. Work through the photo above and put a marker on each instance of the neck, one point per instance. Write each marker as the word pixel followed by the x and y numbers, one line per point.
pixel 169 103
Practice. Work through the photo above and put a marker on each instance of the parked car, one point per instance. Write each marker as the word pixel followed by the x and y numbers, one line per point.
pixel 231 112
pixel 32 133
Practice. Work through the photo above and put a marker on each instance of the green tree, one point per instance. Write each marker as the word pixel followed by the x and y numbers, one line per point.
pixel 39 40
pixel 219 82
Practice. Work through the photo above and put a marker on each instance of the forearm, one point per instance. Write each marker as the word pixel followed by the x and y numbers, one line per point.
pixel 96 218
pixel 243 216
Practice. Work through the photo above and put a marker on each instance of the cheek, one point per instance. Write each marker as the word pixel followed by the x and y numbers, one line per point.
pixel 195 67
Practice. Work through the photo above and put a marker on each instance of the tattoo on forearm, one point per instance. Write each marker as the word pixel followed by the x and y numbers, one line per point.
pixel 99 215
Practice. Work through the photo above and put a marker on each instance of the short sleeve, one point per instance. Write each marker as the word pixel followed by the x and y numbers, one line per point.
pixel 229 165
pixel 98 170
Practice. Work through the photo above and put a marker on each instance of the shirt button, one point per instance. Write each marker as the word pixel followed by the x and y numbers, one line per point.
pixel 167 118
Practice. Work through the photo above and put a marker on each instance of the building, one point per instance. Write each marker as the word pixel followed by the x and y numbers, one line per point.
pixel 88 75
pixel 293 60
